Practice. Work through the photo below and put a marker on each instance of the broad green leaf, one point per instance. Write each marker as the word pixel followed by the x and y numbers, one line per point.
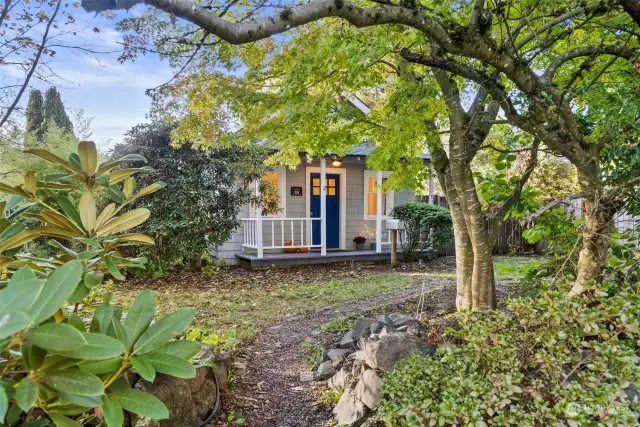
pixel 113 268
pixel 69 210
pixel 74 399
pixel 128 186
pixel 32 355
pixel 41 422
pixel 9 387
pixel 87 210
pixel 93 278
pixel 102 317
pixel 22 274
pixel 10 323
pixel 141 403
pixel 124 222
pixel 183 348
pixel 56 363
pixel 139 316
pixel 56 337
pixel 113 415
pixel 62 421
pixel 132 158
pixel 150 189
pixel 120 331
pixel 75 321
pixel 30 182
pixel 46 155
pixel 163 330
pixel 142 239
pixel 74 381
pixel 59 286
pixel 98 367
pixel 115 194
pixel 79 294
pixel 19 239
pixel 20 295
pixel 88 157
pixel 169 364
pixel 12 230
pixel 143 368
pixel 97 347
pixel 106 214
pixel 26 393
pixel 71 410
pixel 4 404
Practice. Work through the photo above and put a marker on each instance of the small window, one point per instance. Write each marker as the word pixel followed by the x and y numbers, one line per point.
pixel 278 180
pixel 371 196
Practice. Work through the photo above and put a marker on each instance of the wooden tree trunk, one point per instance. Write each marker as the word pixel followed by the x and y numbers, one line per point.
pixel 595 242
pixel 482 280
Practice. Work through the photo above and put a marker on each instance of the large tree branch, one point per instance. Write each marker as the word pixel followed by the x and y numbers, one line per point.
pixel 488 82
pixel 476 13
pixel 595 50
pixel 287 19
pixel 531 165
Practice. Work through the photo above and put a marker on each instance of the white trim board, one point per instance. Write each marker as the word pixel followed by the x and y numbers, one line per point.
pixel 343 199
pixel 390 195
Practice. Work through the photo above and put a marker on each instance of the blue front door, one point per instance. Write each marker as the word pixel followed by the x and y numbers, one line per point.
pixel 333 209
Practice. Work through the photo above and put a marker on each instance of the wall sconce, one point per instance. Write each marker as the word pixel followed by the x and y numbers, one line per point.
pixel 336 161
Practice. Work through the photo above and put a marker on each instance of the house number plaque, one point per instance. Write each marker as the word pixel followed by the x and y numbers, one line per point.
pixel 296 191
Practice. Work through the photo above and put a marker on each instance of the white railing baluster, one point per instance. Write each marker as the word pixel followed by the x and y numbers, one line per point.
pixel 302 232
pixel 273 233
pixel 282 231
pixel 293 238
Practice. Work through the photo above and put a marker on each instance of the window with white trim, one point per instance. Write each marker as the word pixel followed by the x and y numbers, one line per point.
pixel 371 195
pixel 279 179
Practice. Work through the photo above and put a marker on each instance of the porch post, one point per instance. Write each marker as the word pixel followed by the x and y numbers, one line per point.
pixel 323 206
pixel 259 222
pixel 431 185
pixel 379 212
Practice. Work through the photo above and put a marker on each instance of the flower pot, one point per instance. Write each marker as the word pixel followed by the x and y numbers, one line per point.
pixel 360 246
pixel 373 246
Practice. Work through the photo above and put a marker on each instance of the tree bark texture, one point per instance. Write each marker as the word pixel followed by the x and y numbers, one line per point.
pixel 596 233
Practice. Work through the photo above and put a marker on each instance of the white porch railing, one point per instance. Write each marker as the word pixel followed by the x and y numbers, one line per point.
pixel 278 231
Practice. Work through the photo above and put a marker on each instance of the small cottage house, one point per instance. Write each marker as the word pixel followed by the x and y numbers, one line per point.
pixel 317 223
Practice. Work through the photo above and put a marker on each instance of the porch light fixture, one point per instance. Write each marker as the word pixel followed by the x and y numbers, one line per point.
pixel 336 161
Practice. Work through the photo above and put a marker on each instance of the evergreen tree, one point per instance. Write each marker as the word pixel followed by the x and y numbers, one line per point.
pixel 54 111
pixel 35 114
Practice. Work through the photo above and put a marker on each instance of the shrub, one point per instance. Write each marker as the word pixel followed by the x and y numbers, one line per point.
pixel 207 191
pixel 427 227
pixel 557 359
pixel 57 366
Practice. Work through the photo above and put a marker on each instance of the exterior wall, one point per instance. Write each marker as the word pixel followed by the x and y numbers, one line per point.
pixel 296 207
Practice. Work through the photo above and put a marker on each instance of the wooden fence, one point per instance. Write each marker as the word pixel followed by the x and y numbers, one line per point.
pixel 509 238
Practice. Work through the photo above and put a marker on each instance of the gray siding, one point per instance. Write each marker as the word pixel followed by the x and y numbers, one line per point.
pixel 296 207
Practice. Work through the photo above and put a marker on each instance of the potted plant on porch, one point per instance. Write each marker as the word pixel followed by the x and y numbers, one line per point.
pixel 359 241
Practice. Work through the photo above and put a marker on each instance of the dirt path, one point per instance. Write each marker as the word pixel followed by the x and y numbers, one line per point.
pixel 269 393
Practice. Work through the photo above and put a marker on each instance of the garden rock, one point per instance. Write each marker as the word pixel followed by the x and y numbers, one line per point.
pixel 189 401
pixel 338 381
pixel 400 319
pixel 386 320
pixel 337 354
pixel 347 341
pixel 376 327
pixel 362 328
pixel 368 389
pixel 349 410
pixel 325 371
pixel 389 349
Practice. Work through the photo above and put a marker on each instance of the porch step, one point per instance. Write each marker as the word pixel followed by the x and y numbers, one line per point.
pixel 288 259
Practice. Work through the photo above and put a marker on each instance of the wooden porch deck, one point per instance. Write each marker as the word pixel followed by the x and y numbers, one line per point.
pixel 312 257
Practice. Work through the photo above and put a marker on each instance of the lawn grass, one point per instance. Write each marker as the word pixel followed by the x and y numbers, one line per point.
pixel 233 305
pixel 238 313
